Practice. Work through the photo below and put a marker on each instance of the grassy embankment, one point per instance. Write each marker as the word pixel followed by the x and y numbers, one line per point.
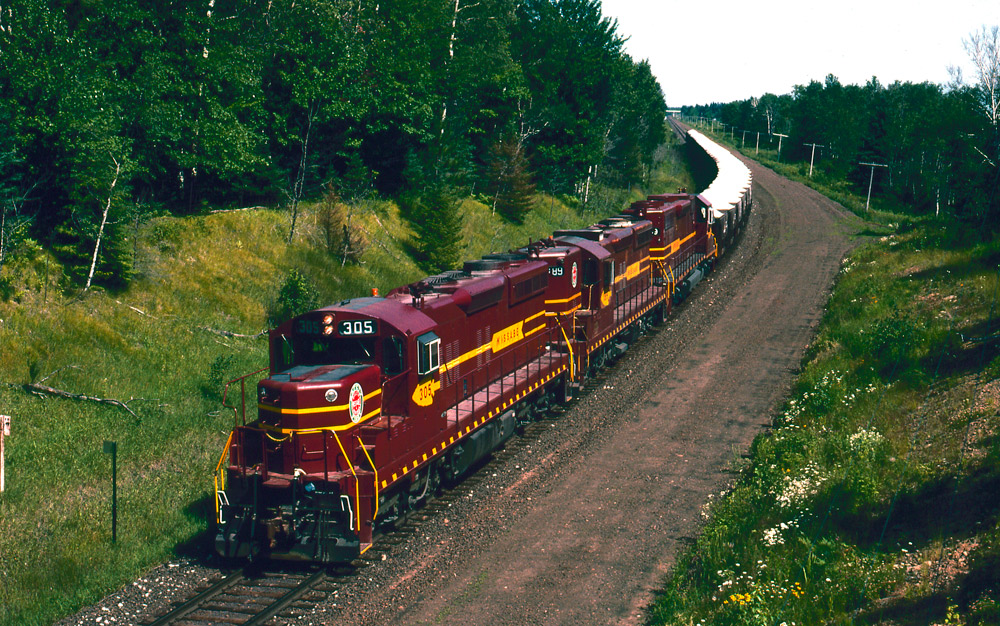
pixel 154 346
pixel 873 498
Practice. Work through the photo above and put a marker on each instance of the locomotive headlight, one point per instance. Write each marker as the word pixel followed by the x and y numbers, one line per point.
pixel 330 395
pixel 327 319
pixel 328 330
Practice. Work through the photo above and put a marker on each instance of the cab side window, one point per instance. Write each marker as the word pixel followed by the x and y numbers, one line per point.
pixel 393 355
pixel 428 353
pixel 589 272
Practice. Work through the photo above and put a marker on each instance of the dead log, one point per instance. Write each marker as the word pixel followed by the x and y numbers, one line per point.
pixel 226 333
pixel 246 208
pixel 39 389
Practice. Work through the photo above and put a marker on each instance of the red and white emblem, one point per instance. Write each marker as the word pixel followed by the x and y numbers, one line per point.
pixel 572 275
pixel 357 403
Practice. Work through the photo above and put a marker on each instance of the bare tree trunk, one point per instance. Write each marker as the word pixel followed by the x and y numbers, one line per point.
pixel 3 233
pixel 452 37
pixel 208 30
pixel 451 55
pixel 300 177
pixel 104 221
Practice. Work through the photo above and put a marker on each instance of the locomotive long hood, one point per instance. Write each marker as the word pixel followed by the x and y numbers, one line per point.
pixel 333 397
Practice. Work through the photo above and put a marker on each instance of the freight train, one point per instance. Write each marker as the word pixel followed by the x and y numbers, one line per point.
pixel 370 405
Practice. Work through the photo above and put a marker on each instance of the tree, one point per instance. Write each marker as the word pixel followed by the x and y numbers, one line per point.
pixel 639 113
pixel 436 226
pixel 333 216
pixel 569 53
pixel 312 85
pixel 513 191
pixel 14 220
pixel 983 48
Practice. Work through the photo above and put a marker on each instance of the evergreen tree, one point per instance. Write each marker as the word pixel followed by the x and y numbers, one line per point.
pixel 436 226
pixel 510 182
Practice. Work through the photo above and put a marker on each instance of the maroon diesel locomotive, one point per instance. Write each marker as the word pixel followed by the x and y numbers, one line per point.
pixel 370 404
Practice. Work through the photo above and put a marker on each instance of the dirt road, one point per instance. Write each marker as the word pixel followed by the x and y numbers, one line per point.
pixel 578 523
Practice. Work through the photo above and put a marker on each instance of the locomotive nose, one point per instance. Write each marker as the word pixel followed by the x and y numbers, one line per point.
pixel 328 396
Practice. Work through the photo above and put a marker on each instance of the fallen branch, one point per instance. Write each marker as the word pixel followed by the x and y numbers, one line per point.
pixel 139 311
pixel 53 373
pixel 44 390
pixel 246 208
pixel 226 333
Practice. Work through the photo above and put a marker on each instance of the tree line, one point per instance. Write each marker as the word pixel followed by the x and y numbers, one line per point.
pixel 112 111
pixel 939 144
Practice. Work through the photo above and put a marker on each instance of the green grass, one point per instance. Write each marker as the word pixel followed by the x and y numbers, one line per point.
pixel 154 347
pixel 883 462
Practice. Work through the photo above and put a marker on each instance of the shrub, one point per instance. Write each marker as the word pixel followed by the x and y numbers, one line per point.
pixel 219 373
pixel 297 295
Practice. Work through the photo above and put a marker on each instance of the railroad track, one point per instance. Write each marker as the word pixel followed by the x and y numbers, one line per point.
pixel 253 600
pixel 244 600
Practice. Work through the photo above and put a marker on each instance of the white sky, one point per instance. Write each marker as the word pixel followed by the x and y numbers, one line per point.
pixel 705 51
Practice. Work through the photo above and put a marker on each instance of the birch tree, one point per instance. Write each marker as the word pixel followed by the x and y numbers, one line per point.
pixel 984 50
pixel 104 220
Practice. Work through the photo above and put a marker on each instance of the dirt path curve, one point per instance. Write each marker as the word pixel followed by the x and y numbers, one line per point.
pixel 579 524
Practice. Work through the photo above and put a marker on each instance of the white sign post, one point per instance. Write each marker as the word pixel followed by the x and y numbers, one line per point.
pixel 4 432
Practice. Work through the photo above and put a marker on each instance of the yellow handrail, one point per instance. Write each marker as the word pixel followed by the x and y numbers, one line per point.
pixel 357 485
pixel 572 365
pixel 220 477
pixel 374 469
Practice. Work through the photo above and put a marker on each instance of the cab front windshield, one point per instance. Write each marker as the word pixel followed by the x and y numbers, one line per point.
pixel 320 350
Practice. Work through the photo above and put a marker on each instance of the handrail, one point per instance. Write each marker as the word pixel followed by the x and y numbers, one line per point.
pixel 357 483
pixel 220 477
pixel 374 469
pixel 243 396
pixel 569 346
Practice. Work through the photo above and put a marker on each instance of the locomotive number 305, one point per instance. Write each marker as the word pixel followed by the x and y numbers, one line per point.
pixel 351 328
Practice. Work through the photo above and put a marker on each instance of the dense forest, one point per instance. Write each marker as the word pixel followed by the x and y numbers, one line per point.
pixel 933 148
pixel 111 112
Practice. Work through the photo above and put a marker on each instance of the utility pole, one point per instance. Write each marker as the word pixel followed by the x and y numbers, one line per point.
pixel 742 145
pixel 812 156
pixel 757 148
pixel 870 180
pixel 780 137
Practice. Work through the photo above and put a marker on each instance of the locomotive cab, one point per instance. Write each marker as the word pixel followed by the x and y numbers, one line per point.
pixel 329 372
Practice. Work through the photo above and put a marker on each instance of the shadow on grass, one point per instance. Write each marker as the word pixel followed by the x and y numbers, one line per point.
pixel 969 349
pixel 960 270
pixel 966 591
pixel 905 611
pixel 199 547
pixel 958 508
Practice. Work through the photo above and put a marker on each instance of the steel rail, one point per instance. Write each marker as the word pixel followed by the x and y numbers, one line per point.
pixel 196 602
pixel 286 600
